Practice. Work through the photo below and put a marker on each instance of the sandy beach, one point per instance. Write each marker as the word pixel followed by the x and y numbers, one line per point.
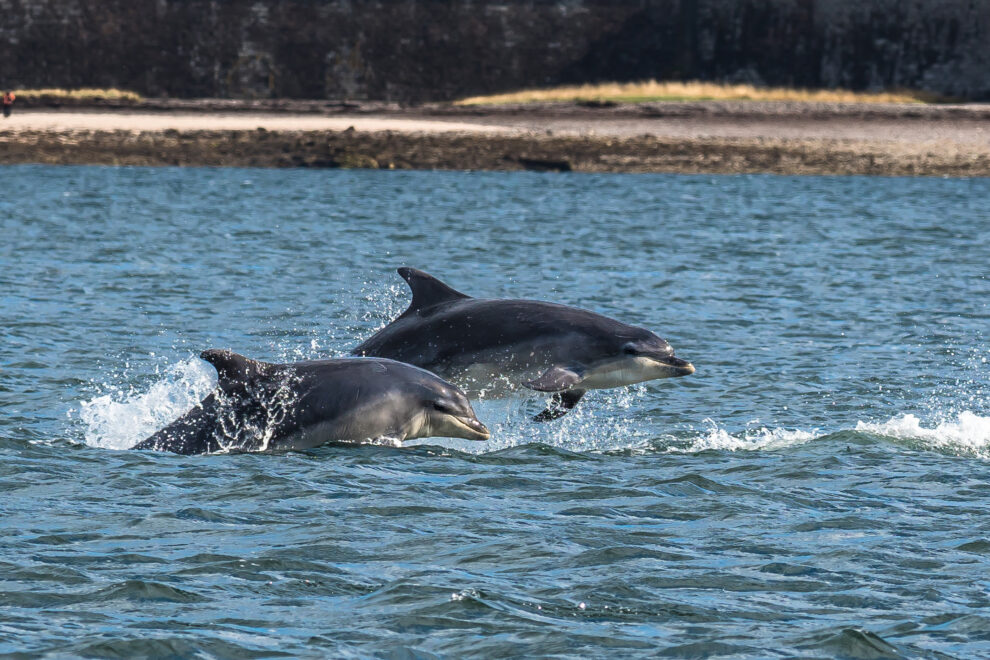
pixel 688 137
pixel 73 121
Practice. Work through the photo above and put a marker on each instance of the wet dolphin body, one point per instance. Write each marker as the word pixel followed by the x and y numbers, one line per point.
pixel 258 406
pixel 544 346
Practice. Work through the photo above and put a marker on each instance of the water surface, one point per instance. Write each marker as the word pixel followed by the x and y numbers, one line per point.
pixel 819 488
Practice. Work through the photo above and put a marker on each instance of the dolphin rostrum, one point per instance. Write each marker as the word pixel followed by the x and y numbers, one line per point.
pixel 485 345
pixel 258 406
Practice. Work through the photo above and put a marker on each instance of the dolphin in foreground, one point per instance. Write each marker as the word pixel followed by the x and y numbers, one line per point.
pixel 258 406
pixel 484 345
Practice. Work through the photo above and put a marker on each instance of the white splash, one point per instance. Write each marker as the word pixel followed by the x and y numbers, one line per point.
pixel 967 433
pixel 755 439
pixel 121 419
pixel 601 422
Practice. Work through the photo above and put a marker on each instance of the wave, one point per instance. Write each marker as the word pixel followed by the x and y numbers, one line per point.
pixel 719 439
pixel 966 434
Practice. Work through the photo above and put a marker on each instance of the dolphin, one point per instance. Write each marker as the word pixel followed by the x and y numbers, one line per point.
pixel 492 346
pixel 258 406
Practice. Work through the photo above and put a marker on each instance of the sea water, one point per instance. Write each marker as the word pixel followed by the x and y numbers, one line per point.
pixel 819 488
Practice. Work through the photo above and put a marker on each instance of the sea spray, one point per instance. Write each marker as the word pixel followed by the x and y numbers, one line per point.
pixel 121 418
pixel 604 422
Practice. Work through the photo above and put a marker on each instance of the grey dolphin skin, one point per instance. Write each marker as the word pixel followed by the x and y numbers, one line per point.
pixel 258 406
pixel 484 344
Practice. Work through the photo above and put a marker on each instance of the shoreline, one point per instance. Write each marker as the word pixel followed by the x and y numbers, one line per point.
pixel 696 138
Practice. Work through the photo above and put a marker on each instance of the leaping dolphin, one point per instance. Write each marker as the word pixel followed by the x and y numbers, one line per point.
pixel 258 406
pixel 544 346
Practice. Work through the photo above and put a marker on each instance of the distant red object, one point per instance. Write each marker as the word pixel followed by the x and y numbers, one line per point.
pixel 8 103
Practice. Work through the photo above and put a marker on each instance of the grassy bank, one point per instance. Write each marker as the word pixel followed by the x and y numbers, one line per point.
pixel 636 92
pixel 640 92
pixel 85 94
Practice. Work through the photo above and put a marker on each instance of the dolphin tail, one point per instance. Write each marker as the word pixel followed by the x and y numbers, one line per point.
pixel 560 404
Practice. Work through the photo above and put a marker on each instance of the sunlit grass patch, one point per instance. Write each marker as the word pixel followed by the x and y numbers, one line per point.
pixel 84 94
pixel 639 92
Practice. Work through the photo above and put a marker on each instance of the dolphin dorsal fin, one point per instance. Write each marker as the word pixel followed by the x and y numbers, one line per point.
pixel 231 367
pixel 427 290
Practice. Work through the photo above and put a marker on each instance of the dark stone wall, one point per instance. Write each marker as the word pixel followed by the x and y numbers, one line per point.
pixel 418 50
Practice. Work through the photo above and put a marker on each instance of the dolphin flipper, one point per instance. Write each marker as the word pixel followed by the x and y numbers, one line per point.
pixel 560 404
pixel 556 379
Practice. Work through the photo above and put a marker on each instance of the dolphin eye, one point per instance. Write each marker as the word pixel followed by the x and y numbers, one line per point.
pixel 629 350
pixel 441 407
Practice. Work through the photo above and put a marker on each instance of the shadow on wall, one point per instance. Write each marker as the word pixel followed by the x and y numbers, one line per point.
pixel 888 44
pixel 421 50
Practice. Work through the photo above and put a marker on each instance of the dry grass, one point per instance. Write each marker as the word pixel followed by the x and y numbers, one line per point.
pixel 88 94
pixel 652 90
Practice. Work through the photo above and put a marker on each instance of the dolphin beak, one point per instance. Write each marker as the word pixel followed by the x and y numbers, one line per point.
pixel 678 366
pixel 474 429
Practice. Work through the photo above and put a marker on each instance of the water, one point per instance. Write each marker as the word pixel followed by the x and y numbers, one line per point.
pixel 819 488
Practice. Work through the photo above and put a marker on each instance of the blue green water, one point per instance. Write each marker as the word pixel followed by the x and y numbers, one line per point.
pixel 819 488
